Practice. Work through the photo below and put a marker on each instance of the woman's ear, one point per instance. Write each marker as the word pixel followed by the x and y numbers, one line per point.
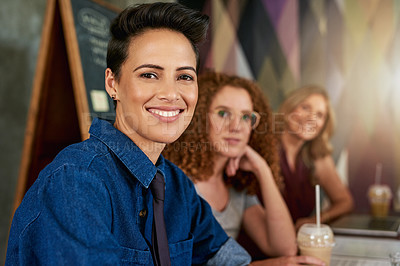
pixel 110 83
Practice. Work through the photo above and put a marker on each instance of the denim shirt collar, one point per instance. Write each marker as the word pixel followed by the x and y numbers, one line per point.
pixel 127 151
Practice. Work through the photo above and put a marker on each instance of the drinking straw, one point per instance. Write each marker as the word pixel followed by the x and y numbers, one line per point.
pixel 317 207
pixel 378 173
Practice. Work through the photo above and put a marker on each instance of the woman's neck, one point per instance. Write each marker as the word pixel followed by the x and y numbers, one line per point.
pixel 219 167
pixel 150 148
pixel 218 173
pixel 214 190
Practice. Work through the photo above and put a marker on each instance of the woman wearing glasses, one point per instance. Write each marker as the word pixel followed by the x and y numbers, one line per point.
pixel 226 154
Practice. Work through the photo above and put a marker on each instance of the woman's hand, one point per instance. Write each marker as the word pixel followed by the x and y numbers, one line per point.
pixel 249 161
pixel 289 261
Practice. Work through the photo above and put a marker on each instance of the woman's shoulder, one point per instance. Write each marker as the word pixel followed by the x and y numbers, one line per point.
pixel 325 168
pixel 82 152
pixel 324 161
pixel 78 157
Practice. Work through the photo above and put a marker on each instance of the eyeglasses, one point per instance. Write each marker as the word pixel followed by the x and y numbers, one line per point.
pixel 252 119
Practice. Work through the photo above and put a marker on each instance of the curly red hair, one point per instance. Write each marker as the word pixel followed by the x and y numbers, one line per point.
pixel 193 152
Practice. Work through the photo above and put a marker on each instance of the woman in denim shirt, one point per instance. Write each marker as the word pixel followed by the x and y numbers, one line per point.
pixel 92 205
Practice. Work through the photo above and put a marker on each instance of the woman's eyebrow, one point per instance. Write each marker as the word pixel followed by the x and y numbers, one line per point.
pixel 230 109
pixel 148 66
pixel 222 106
pixel 186 68
pixel 161 68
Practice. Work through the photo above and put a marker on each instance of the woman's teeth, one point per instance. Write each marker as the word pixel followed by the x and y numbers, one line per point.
pixel 165 113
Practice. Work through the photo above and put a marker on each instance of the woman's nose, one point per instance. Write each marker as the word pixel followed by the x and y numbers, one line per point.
pixel 235 123
pixel 311 115
pixel 168 91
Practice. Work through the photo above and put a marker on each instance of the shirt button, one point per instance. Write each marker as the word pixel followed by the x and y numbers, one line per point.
pixel 143 213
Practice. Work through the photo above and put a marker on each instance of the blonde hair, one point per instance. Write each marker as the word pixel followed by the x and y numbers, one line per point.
pixel 193 152
pixel 320 146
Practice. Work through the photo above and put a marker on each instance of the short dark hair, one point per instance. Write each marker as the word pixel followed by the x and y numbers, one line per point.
pixel 135 20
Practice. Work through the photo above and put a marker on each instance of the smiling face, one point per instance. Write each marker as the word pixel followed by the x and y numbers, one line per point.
pixel 156 93
pixel 230 120
pixel 308 118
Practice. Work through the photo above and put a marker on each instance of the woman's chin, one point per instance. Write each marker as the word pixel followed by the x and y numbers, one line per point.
pixel 167 136
pixel 167 139
pixel 307 136
pixel 231 152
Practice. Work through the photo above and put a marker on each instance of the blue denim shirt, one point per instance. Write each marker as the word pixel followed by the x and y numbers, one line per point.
pixel 92 206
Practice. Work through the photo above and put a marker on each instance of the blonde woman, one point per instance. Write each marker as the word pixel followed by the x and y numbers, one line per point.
pixel 305 156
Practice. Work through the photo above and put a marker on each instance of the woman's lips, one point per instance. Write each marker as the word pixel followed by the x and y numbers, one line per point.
pixel 166 114
pixel 232 141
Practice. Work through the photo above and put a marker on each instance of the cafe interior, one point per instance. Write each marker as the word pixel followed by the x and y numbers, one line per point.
pixel 350 47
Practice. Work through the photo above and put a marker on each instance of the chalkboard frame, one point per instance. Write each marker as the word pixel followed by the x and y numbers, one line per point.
pixel 86 26
pixel 60 111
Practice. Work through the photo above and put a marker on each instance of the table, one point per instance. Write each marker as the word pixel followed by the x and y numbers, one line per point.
pixel 363 251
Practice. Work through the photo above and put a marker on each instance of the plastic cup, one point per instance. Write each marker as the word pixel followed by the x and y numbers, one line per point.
pixel 316 241
pixel 379 198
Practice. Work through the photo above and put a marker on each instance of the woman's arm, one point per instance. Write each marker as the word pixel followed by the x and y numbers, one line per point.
pixel 339 195
pixel 289 261
pixel 271 227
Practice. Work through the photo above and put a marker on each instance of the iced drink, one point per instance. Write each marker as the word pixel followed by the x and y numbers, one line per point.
pixel 316 241
pixel 379 198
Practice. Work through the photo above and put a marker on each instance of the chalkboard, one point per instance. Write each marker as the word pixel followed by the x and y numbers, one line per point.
pixel 92 22
pixel 68 89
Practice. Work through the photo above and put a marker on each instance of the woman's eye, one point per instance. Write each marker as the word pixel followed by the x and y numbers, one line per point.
pixel 149 75
pixel 223 113
pixel 186 77
pixel 320 116
pixel 305 107
pixel 246 117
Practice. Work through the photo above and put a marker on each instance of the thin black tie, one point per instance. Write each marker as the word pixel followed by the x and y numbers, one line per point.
pixel 159 239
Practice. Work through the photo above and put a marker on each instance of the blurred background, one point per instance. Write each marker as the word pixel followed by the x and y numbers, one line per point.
pixel 351 47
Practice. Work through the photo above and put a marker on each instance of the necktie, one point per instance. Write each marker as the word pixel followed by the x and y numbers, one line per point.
pixel 159 239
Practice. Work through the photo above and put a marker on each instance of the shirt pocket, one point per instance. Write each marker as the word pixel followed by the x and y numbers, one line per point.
pixel 181 252
pixel 131 256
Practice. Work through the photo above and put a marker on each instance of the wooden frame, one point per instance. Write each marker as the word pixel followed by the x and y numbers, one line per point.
pixel 59 112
